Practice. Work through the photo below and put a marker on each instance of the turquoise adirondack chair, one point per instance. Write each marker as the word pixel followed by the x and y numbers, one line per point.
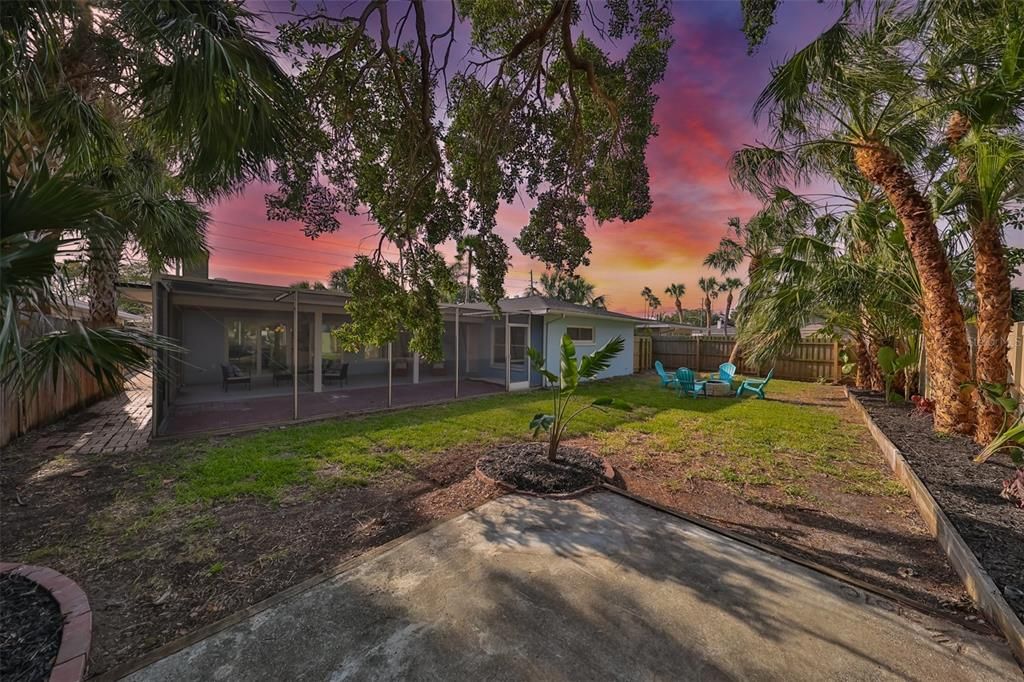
pixel 666 378
pixel 726 371
pixel 755 386
pixel 687 383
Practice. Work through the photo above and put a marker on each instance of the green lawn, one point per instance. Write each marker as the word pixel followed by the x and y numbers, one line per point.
pixel 742 442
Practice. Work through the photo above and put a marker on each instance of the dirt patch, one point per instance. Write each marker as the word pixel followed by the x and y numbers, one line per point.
pixel 879 539
pixel 30 628
pixel 154 571
pixel 526 467
pixel 992 526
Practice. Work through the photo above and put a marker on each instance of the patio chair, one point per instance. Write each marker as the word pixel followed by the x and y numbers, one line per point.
pixel 687 383
pixel 726 371
pixel 666 378
pixel 755 386
pixel 232 375
pixel 332 372
pixel 281 373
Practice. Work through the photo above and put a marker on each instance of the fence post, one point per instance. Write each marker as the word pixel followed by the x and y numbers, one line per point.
pixel 835 362
pixel 697 367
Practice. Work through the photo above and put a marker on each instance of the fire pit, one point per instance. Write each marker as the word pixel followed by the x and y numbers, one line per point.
pixel 718 389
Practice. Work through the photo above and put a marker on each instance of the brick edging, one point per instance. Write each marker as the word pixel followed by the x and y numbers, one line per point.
pixel 975 578
pixel 76 633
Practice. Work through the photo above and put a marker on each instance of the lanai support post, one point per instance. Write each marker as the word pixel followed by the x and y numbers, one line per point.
pixel 295 358
pixel 456 351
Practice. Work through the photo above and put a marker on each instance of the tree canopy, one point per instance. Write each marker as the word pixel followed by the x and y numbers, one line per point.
pixel 552 103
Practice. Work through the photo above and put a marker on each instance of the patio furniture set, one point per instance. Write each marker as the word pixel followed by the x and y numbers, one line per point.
pixel 718 384
pixel 330 370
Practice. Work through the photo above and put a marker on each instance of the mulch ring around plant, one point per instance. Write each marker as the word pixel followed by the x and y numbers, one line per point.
pixel 525 467
pixel 30 629
pixel 968 492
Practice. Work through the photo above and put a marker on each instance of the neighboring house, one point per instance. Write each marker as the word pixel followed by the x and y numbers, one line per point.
pixel 79 310
pixel 676 329
pixel 258 334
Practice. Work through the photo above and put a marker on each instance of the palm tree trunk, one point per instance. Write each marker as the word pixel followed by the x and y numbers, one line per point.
pixel 995 294
pixel 728 309
pixel 755 263
pixel 860 349
pixel 101 272
pixel 942 319
pixel 876 382
pixel 679 311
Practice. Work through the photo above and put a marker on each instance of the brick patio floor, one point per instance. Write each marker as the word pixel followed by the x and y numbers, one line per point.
pixel 236 410
pixel 118 424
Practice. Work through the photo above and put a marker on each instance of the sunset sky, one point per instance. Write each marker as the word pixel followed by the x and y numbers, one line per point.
pixel 703 114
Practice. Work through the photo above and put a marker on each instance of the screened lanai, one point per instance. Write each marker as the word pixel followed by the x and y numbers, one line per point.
pixel 256 354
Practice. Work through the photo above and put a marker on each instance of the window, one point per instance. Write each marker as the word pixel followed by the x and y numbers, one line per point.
pixel 517 354
pixel 581 335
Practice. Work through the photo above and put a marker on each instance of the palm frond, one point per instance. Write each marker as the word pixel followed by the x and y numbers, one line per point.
pixel 601 359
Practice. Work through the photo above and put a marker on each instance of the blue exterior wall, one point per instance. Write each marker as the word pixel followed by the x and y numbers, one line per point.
pixel 605 329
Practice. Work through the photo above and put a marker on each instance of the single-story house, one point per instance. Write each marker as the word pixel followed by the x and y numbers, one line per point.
pixel 257 354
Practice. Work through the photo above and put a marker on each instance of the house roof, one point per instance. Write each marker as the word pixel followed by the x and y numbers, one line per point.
pixel 79 309
pixel 537 305
pixel 544 305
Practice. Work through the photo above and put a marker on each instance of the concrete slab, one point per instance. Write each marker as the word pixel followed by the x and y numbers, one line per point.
pixel 597 588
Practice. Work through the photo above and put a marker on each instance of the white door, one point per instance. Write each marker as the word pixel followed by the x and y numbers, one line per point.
pixel 519 337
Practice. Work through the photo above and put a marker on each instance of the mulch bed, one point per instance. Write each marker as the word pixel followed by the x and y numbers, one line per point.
pixel 992 526
pixel 525 466
pixel 30 629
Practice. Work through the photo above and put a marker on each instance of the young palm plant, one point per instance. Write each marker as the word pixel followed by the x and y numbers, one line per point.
pixel 572 373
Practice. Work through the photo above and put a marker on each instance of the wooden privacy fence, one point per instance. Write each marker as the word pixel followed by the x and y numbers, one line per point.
pixel 73 388
pixel 642 353
pixel 808 361
pixel 22 413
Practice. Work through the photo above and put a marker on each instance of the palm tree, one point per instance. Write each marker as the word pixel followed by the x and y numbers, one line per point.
pixel 338 279
pixel 154 107
pixel 854 93
pixel 647 294
pixel 570 288
pixel 37 206
pixel 710 287
pixel 131 92
pixel 757 240
pixel 655 304
pixel 979 75
pixel 677 291
pixel 729 285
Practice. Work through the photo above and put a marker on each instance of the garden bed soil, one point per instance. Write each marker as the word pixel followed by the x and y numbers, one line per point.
pixel 30 629
pixel 182 569
pixel 968 493
pixel 525 467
